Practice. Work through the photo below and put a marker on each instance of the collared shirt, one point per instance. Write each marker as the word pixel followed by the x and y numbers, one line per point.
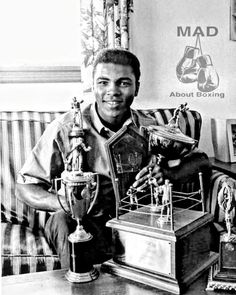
pixel 46 160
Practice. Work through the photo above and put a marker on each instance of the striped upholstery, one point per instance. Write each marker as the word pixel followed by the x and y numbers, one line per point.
pixel 19 132
pixel 24 250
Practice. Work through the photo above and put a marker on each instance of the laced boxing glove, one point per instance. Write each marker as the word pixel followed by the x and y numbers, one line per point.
pixel 208 79
pixel 187 68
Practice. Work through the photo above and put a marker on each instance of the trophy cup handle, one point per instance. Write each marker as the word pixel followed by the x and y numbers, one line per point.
pixel 58 197
pixel 95 194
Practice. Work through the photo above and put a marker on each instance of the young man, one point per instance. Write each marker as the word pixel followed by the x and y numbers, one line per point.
pixel 115 85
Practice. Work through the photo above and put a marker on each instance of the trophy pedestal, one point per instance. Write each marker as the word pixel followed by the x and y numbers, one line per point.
pixel 81 268
pixel 85 277
pixel 222 275
pixel 150 252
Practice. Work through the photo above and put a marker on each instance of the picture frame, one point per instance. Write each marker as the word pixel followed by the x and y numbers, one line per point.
pixel 233 20
pixel 231 133
pixel 127 153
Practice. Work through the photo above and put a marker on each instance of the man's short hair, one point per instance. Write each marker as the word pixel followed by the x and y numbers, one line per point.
pixel 119 57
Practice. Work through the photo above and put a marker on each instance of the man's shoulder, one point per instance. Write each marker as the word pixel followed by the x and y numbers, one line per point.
pixel 61 121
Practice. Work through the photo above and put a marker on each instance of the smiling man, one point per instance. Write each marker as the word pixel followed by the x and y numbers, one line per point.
pixel 115 86
pixel 116 77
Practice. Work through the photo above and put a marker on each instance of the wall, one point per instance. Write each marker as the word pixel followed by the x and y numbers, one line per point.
pixel 38 96
pixel 156 42
pixel 42 34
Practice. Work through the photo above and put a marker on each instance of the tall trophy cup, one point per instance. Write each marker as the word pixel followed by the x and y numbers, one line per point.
pixel 80 189
pixel 222 275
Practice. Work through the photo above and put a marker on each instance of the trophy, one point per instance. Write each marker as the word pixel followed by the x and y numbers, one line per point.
pixel 168 141
pixel 158 239
pixel 80 189
pixel 222 274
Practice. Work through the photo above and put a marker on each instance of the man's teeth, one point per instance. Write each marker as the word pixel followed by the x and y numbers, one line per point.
pixel 113 102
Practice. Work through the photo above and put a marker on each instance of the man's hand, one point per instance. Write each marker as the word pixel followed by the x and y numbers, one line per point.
pixel 142 177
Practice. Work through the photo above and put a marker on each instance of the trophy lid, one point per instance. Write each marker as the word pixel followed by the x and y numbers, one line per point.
pixel 171 133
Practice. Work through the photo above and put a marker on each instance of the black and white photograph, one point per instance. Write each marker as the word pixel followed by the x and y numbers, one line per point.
pixel 118 147
pixel 231 128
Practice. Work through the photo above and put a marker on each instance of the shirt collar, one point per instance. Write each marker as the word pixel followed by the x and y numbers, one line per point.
pixel 98 124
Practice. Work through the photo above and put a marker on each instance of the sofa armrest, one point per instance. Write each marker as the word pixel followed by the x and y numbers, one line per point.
pixel 19 131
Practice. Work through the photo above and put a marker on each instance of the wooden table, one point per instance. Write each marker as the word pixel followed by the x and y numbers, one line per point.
pixel 228 168
pixel 54 283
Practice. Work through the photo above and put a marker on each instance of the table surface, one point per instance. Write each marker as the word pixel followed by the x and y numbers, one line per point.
pixel 228 168
pixel 55 283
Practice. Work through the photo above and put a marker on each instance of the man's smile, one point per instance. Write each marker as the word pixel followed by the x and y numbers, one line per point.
pixel 113 103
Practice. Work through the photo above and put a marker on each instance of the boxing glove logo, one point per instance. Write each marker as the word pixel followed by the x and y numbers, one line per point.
pixel 187 68
pixel 195 66
pixel 207 78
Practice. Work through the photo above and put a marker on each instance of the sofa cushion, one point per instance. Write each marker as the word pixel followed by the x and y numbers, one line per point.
pixel 25 250
pixel 19 132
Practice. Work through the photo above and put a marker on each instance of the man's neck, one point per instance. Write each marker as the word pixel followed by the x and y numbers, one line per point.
pixel 117 124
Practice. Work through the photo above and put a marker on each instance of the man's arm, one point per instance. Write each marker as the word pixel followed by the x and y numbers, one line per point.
pixel 189 167
pixel 38 197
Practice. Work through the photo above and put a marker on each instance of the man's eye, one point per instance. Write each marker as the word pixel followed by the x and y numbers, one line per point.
pixel 102 83
pixel 125 84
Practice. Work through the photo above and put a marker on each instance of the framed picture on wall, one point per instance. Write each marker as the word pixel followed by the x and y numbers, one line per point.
pixel 233 20
pixel 231 132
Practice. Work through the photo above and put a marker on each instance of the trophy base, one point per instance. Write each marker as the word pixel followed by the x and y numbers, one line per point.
pixel 157 280
pixel 163 258
pixel 222 275
pixel 81 268
pixel 89 276
pixel 219 281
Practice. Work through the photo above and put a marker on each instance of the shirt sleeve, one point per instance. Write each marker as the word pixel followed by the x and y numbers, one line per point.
pixel 45 161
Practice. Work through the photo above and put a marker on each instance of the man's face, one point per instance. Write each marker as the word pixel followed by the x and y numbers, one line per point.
pixel 114 89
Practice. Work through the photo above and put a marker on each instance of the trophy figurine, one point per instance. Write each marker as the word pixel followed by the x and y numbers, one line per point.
pixel 80 190
pixel 223 273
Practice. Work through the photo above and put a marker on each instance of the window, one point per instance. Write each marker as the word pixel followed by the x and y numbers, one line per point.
pixel 40 41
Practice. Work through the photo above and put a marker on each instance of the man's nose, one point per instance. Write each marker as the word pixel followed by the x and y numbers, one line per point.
pixel 113 89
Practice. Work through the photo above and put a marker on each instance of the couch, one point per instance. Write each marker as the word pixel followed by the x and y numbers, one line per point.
pixel 24 248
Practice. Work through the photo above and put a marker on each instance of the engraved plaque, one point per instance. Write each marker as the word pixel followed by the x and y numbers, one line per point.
pixel 228 256
pixel 147 253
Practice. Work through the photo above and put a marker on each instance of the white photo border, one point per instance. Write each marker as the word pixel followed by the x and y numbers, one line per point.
pixel 231 133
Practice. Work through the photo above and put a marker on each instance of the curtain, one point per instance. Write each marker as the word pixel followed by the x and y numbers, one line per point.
pixel 104 24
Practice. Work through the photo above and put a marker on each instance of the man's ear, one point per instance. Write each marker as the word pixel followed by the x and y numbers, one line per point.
pixel 137 88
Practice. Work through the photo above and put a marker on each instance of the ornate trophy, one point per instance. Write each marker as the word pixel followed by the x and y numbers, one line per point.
pixel 80 190
pixel 168 140
pixel 222 275
pixel 158 239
